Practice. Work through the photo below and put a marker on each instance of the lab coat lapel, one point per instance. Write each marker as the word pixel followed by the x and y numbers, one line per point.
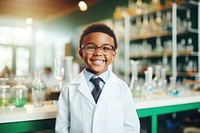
pixel 84 90
pixel 108 88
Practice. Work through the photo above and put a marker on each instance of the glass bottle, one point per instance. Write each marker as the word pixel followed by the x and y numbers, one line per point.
pixel 131 8
pixel 134 85
pixel 5 92
pixel 152 23
pixel 169 21
pixel 158 48
pixel 188 20
pixel 159 22
pixel 118 13
pixel 145 25
pixel 189 47
pixel 138 9
pixel 138 26
pixel 38 90
pixel 156 4
pixel 19 93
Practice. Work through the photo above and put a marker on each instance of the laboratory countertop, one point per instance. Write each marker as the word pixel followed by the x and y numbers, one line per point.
pixel 48 111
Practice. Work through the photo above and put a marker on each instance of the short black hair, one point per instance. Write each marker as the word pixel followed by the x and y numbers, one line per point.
pixel 98 27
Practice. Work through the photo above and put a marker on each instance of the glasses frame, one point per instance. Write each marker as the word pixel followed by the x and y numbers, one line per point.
pixel 97 47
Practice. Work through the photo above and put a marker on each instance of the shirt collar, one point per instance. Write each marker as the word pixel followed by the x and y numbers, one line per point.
pixel 104 76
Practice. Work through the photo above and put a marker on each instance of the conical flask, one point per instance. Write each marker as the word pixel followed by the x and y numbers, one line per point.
pixel 134 85
pixel 172 89
pixel 148 87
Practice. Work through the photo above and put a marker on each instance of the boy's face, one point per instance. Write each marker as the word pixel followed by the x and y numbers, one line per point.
pixel 97 62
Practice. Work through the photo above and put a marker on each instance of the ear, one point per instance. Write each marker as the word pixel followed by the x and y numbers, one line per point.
pixel 80 53
pixel 113 55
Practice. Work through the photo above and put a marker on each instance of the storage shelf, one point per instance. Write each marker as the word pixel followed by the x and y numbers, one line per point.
pixel 135 40
pixel 160 34
pixel 165 54
pixel 190 74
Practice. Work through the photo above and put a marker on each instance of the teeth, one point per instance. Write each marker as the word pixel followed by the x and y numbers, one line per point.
pixel 98 61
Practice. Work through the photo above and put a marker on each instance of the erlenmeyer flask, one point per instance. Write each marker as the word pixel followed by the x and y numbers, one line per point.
pixel 172 87
pixel 134 85
pixel 148 87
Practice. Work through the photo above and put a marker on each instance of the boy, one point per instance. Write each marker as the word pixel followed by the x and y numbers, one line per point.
pixel 96 101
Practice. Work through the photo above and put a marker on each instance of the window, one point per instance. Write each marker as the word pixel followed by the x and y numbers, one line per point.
pixel 6 54
pixel 15 44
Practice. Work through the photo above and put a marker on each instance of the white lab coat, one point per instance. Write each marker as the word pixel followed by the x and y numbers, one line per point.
pixel 114 113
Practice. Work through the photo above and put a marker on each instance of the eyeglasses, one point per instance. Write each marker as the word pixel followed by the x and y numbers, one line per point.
pixel 105 48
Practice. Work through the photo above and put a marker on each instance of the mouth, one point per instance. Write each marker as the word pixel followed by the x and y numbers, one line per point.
pixel 97 61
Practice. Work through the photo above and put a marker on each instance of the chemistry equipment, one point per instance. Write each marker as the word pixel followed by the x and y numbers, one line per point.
pixel 172 89
pixel 157 82
pixel 148 87
pixel 134 85
pixel 38 90
pixel 63 74
pixel 19 93
pixel 5 92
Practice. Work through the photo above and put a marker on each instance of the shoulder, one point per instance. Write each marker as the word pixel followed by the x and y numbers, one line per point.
pixel 116 79
pixel 122 85
pixel 74 82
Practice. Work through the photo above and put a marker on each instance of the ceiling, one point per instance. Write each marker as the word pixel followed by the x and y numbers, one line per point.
pixel 39 10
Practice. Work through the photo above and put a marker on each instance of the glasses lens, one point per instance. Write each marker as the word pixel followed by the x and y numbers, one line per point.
pixel 105 49
pixel 90 48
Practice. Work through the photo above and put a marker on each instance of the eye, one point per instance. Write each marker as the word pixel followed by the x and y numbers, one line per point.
pixel 90 47
pixel 106 48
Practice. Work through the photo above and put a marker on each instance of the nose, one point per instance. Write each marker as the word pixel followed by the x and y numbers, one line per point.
pixel 98 51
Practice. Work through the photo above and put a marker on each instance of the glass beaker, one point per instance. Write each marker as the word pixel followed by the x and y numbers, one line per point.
pixel 38 91
pixel 19 93
pixel 134 85
pixel 5 92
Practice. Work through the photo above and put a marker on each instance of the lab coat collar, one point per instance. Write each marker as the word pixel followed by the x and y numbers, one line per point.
pixel 84 90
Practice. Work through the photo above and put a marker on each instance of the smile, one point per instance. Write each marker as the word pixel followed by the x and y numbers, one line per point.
pixel 98 61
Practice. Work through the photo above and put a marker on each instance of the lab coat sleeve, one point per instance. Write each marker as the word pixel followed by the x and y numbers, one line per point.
pixel 131 120
pixel 63 113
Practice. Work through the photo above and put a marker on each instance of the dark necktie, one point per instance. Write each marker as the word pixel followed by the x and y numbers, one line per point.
pixel 97 90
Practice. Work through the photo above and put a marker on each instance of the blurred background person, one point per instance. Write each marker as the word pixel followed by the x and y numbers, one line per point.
pixel 47 77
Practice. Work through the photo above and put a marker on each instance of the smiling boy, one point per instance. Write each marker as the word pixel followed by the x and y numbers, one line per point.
pixel 97 101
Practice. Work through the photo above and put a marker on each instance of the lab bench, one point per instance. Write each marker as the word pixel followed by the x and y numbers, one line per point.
pixel 30 118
